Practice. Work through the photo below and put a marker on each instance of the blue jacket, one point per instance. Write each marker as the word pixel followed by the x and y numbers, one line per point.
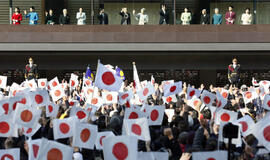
pixel 33 18
pixel 217 19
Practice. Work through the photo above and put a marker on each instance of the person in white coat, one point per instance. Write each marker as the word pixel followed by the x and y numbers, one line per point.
pixel 81 17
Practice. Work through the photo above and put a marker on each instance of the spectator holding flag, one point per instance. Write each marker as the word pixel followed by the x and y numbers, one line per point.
pixel 33 16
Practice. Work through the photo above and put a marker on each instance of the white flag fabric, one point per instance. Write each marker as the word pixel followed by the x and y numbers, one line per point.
pixel 172 88
pixel 224 93
pixel 192 92
pixel 10 154
pixel 96 101
pixel 100 137
pixel 52 110
pixel 34 146
pixel 246 124
pixel 40 97
pixel 125 96
pixel 153 155
pixel 88 91
pixel 146 91
pixel 73 81
pixel 3 82
pixel 221 101
pixel 62 128
pixel 171 98
pixel 31 84
pixel 261 131
pixel 266 102
pixel 54 150
pixel 80 113
pixel 120 147
pixel 107 79
pixel 53 83
pixel 207 98
pixel 26 116
pixel 136 127
pixel 136 80
pixel 42 83
pixel 249 96
pixel 7 127
pixel 57 93
pixel 254 82
pixel 131 113
pixel 84 135
pixel 109 97
pixel 155 114
pixel 224 116
pixel 30 131
pixel 213 155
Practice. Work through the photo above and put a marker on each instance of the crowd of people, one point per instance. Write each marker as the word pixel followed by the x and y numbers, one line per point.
pixel 191 120
pixel 142 17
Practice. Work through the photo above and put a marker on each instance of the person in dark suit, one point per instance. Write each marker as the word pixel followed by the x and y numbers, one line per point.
pixel 64 18
pixel 49 17
pixel 164 15
pixel 234 73
pixel 103 17
pixel 125 17
pixel 205 18
pixel 31 71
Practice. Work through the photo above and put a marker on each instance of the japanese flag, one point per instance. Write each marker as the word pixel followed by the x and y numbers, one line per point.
pixel 5 105
pixel 25 97
pixel 131 113
pixel 3 82
pixel 54 150
pixel 53 83
pixel 264 83
pixel 155 114
pixel 195 103
pixel 266 102
pixel 52 110
pixel 80 113
pixel 171 98
pixel 100 137
pixel 31 84
pixel 73 81
pixel 13 89
pixel 26 116
pixel 73 103
pixel 84 135
pixel 192 92
pixel 221 101
pixel 10 154
pixel 62 128
pixel 125 96
pixel 87 82
pixel 89 91
pixel 96 101
pixel 213 155
pixel 107 79
pixel 146 91
pixel 207 98
pixel 34 146
pixel 246 124
pixel 120 147
pixel 42 83
pixel 224 116
pixel 41 98
pixel 172 88
pixel 109 97
pixel 137 127
pixel 30 131
pixel 7 127
pixel 57 93
pixel 249 96
pixel 261 131
pixel 153 155
pixel 224 93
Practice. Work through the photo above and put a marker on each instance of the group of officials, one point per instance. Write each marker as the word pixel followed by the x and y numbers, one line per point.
pixel 142 17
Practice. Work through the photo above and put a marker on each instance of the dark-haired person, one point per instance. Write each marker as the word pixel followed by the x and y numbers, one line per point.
pixel 32 15
pixel 50 17
pixel 205 18
pixel 103 17
pixel 16 17
pixel 234 73
pixel 246 17
pixel 125 17
pixel 230 16
pixel 186 17
pixel 164 15
pixel 31 71
pixel 64 18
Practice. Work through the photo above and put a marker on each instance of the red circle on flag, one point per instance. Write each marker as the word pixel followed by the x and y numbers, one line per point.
pixel 64 128
pixel 0 81
pixel 54 83
pixel 109 97
pixel 81 114
pixel 29 130
pixel 124 96
pixel 211 158
pixel 4 127
pixel 71 103
pixel 35 150
pixel 266 133
pixel 206 99
pixel 57 93
pixel 169 99
pixel 7 156
pixel 87 82
pixel 42 84
pixel 154 115
pixel 54 154
pixel 50 108
pixel 39 98
pixel 26 116
pixel 90 91
pixel 225 117
pixel 23 101
pixel 224 94
pixel 85 135
pixel 133 115
pixel 31 85
pixel 173 88
pixel 14 105
pixel 191 93
pixel 94 101
pixel 244 126
pixel 135 128
pixel 108 78
pixel 72 83
pixel 248 95
pixel 145 91
pixel 264 82
pixel 6 107
pixel 268 103
pixel 100 140
pixel 195 103
pixel 120 151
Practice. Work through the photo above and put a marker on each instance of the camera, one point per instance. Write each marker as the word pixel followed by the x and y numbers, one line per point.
pixel 230 131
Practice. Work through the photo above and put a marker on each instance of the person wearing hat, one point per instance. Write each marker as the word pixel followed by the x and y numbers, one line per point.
pixel 234 73
pixel 31 71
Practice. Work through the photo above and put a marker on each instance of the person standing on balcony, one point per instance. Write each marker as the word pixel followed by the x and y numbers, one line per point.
pixel 230 16
pixel 33 16
pixel 217 18
pixel 81 17
pixel 49 17
pixel 164 15
pixel 64 18
pixel 186 17
pixel 205 18
pixel 103 17
pixel 16 17
pixel 141 17
pixel 125 17
pixel 246 17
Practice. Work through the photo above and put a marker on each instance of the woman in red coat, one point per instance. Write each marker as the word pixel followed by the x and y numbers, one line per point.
pixel 16 17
